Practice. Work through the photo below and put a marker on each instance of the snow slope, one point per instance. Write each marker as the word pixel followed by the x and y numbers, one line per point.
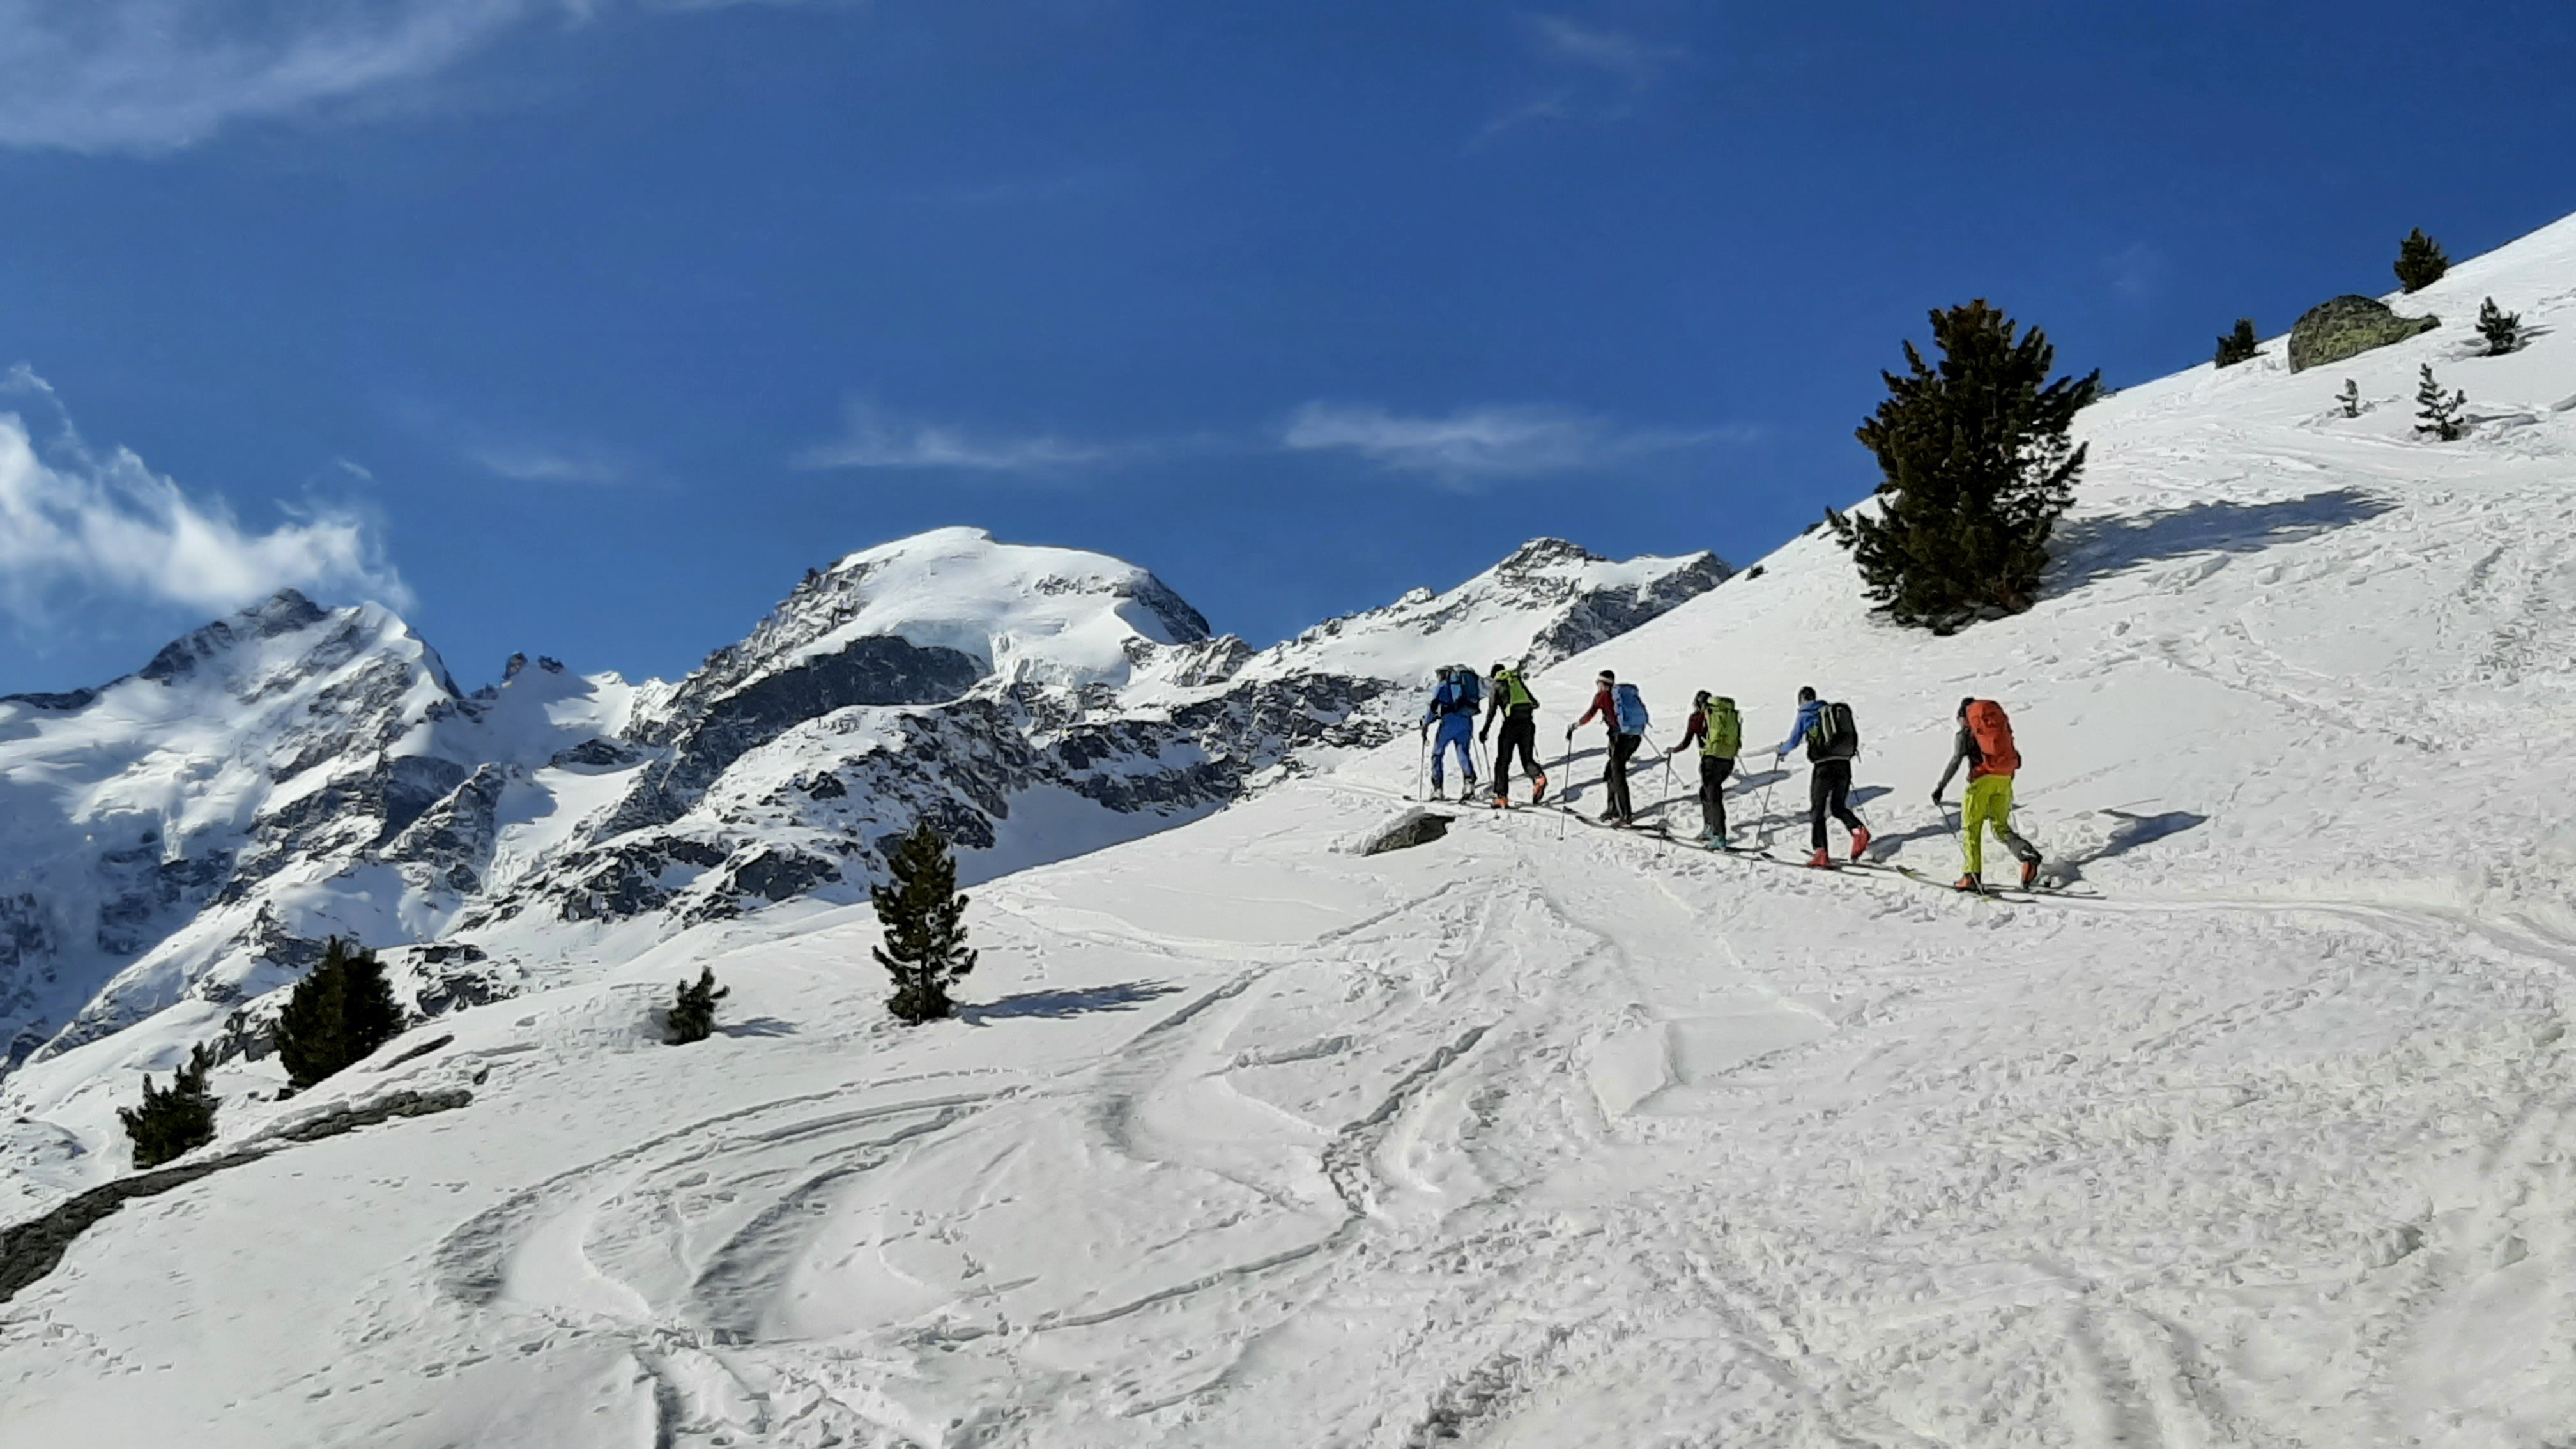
pixel 1548 1135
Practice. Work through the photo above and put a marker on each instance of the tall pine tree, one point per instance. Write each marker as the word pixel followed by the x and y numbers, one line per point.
pixel 172 1122
pixel 342 1010
pixel 1976 467
pixel 2420 262
pixel 925 929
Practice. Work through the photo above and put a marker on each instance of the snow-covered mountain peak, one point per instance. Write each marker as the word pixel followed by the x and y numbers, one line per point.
pixel 284 613
pixel 924 618
pixel 1547 600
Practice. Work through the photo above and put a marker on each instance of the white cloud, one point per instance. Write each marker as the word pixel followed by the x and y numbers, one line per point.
pixel 875 440
pixel 82 525
pixel 157 75
pixel 1486 442
pixel 530 463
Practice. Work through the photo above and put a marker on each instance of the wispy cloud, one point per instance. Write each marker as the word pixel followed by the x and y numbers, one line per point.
pixel 1556 106
pixel 2137 271
pixel 78 524
pixel 874 439
pixel 1639 63
pixel 1472 444
pixel 1599 75
pixel 535 463
pixel 158 75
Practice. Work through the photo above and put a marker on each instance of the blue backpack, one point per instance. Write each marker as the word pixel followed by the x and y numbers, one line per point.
pixel 1632 710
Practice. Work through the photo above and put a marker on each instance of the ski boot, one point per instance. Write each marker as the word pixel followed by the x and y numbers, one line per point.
pixel 1860 843
pixel 1823 859
pixel 1971 885
pixel 2029 872
pixel 1538 790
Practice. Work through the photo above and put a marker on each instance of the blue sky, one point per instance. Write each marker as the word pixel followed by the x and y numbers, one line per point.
pixel 584 328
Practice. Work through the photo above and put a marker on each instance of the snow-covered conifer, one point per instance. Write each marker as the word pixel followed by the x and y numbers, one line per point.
pixel 1977 467
pixel 172 1120
pixel 339 1013
pixel 2420 262
pixel 2239 345
pixel 2502 329
pixel 925 931
pixel 693 1016
pixel 2437 414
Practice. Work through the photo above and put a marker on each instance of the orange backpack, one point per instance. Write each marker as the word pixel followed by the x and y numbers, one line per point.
pixel 1993 734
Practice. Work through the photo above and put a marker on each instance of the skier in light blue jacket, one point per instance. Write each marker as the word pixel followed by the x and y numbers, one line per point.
pixel 1453 709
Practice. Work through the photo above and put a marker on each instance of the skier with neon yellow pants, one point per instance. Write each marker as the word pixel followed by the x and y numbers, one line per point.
pixel 1985 746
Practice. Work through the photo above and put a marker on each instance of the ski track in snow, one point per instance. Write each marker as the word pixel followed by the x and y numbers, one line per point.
pixel 1546 1135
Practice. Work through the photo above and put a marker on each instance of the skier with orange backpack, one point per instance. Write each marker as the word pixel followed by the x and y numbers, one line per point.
pixel 1985 746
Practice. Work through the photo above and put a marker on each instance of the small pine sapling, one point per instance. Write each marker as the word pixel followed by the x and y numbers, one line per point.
pixel 925 928
pixel 2420 262
pixel 2350 397
pixel 2239 345
pixel 338 1014
pixel 2436 414
pixel 2502 329
pixel 173 1121
pixel 693 1016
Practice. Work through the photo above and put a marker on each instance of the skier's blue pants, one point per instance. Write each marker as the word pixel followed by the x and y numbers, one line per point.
pixel 1459 730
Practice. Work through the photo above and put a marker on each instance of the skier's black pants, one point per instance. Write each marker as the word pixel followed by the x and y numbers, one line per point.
pixel 1713 770
pixel 1829 793
pixel 1519 732
pixel 1615 775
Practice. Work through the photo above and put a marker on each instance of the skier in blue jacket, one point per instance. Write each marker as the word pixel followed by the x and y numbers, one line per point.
pixel 1829 777
pixel 1453 708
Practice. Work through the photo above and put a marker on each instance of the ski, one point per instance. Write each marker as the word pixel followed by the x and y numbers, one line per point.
pixel 1633 828
pixel 1998 892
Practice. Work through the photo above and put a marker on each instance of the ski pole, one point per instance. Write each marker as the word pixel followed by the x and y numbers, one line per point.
pixel 1565 771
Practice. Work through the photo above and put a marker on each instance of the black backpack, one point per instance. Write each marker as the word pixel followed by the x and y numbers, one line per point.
pixel 1835 735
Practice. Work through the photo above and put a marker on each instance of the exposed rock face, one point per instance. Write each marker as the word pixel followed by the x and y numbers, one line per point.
pixel 2342 327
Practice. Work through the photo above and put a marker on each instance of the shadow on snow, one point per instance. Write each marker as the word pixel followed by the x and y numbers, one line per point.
pixel 1058 1005
pixel 2091 549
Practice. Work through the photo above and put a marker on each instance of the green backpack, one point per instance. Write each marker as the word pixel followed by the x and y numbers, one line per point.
pixel 1725 729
